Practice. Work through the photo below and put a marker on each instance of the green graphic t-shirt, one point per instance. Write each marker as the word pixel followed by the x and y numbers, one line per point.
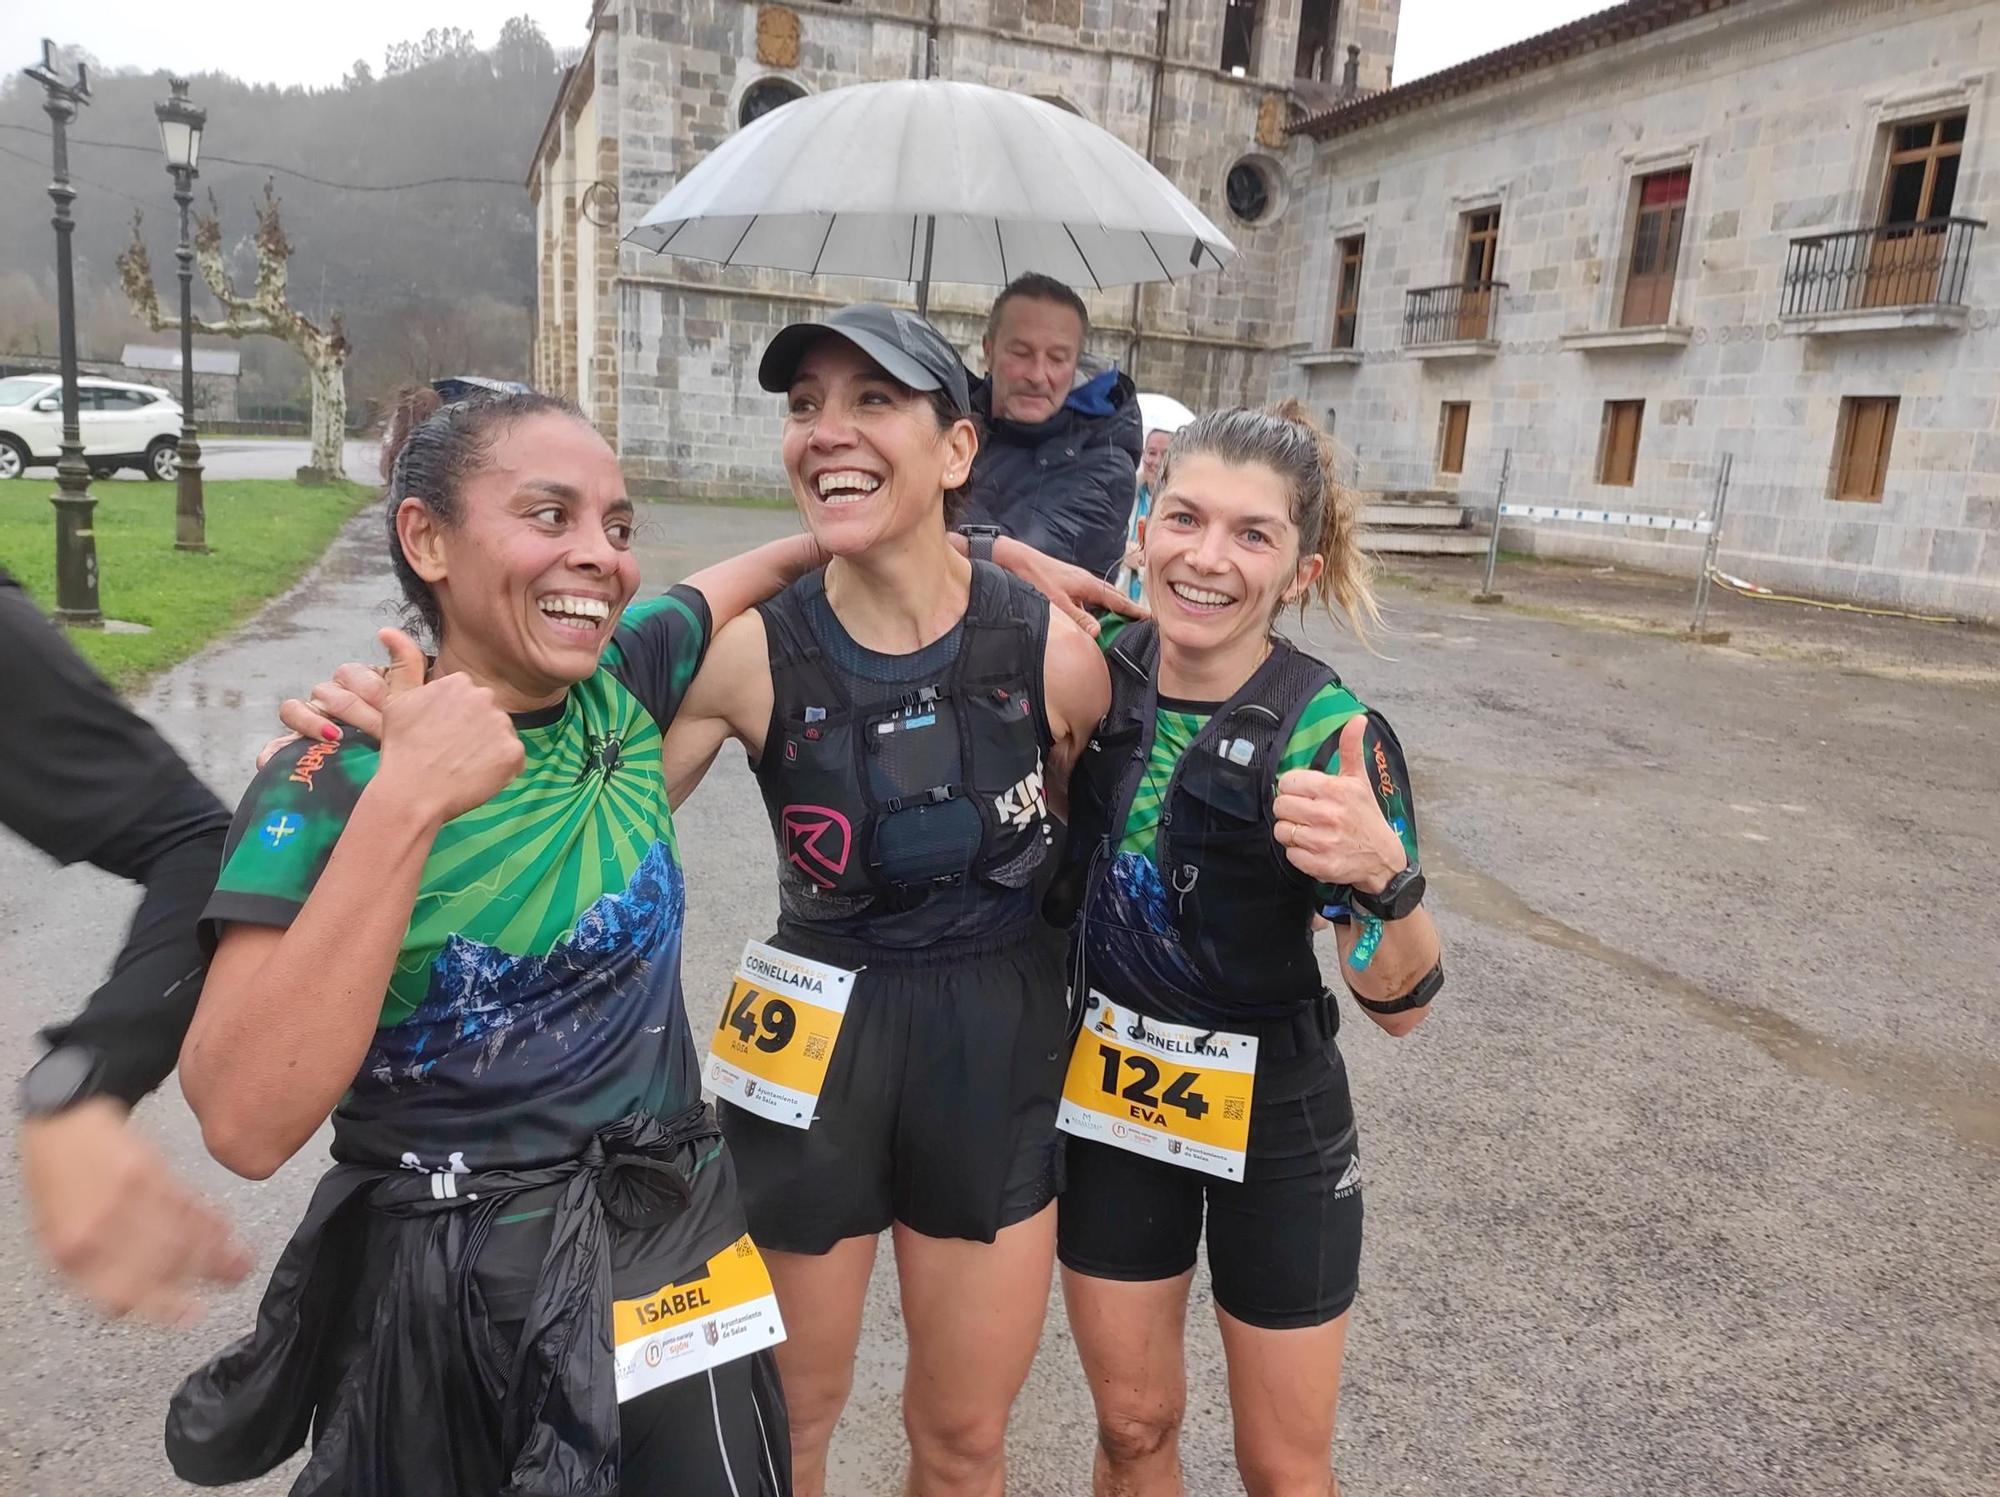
pixel 537 994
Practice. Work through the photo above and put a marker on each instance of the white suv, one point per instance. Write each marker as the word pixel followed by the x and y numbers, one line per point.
pixel 123 426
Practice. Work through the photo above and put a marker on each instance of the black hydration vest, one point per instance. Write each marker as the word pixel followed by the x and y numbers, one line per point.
pixel 880 795
pixel 1242 912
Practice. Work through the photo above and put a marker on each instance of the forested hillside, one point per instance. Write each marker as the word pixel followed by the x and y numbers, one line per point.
pixel 431 280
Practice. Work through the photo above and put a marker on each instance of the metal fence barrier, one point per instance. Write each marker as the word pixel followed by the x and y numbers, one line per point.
pixel 1708 524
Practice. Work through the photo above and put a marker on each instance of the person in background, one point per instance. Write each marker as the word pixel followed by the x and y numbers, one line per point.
pixel 1132 580
pixel 1060 454
pixel 85 779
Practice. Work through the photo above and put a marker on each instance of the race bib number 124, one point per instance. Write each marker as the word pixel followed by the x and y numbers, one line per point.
pixel 1168 1091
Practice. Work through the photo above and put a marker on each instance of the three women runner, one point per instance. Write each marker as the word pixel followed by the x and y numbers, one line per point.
pixel 462 940
pixel 1234 792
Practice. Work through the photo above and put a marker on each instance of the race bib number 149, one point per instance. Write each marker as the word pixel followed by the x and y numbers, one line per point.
pixel 1168 1091
pixel 775 1039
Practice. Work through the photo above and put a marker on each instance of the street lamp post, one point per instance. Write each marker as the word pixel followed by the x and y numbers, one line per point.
pixel 180 137
pixel 76 540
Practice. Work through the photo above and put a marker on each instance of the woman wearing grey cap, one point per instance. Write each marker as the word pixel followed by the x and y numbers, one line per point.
pixel 904 709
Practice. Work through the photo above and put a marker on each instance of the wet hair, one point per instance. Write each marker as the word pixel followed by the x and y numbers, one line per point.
pixel 1037 287
pixel 430 449
pixel 1285 439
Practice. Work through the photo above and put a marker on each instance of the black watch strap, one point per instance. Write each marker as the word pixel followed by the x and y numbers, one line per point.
pixel 979 540
pixel 1418 996
pixel 67 1075
pixel 1399 896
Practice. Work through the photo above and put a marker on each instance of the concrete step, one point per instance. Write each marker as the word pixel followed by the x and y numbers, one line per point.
pixel 1412 496
pixel 1414 542
pixel 1446 516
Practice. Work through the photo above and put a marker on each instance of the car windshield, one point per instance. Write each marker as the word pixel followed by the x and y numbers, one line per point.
pixel 20 391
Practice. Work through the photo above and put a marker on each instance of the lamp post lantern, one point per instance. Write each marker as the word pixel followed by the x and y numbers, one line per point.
pixel 76 540
pixel 180 137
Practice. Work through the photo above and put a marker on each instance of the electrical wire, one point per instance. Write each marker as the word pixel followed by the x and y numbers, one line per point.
pixel 74 178
pixel 272 166
pixel 1751 590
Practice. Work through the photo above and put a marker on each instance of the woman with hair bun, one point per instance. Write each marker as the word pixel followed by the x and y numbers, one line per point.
pixel 1234 795
pixel 528 1269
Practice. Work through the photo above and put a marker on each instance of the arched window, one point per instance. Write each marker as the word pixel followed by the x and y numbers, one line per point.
pixel 766 94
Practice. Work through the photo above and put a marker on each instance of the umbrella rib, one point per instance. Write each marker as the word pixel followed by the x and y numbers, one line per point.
pixel 1092 269
pixel 820 253
pixel 1147 239
pixel 741 237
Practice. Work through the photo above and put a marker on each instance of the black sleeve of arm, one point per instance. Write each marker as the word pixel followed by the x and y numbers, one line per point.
pixel 83 777
pixel 136 1021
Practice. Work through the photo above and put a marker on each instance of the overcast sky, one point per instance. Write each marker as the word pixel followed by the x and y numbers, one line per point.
pixel 262 42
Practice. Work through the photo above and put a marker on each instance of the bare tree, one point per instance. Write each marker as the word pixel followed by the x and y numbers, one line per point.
pixel 263 313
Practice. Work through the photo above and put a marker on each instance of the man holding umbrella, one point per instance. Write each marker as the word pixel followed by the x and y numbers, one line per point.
pixel 1057 467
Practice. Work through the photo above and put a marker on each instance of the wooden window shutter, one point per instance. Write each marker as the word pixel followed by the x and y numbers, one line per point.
pixel 1455 416
pixel 1618 459
pixel 1862 469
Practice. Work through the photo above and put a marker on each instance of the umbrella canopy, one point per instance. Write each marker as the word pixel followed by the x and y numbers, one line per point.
pixel 1162 412
pixel 923 179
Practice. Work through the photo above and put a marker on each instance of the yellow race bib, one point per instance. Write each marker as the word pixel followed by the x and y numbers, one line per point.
pixel 1168 1091
pixel 725 1311
pixel 774 1040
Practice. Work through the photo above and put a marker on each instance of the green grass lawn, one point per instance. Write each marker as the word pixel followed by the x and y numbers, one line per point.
pixel 263 534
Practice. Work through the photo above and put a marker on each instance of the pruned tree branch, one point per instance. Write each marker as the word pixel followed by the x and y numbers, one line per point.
pixel 263 313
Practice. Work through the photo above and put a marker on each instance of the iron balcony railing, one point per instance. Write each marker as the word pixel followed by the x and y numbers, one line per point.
pixel 1891 265
pixel 1450 314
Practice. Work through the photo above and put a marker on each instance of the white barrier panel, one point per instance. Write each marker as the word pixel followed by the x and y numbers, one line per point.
pixel 1702 526
pixel 1709 525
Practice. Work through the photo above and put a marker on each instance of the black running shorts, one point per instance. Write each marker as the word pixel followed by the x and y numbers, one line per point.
pixel 1284 1243
pixel 939 1106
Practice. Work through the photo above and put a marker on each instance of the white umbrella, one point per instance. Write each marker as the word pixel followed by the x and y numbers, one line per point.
pixel 924 179
pixel 1162 413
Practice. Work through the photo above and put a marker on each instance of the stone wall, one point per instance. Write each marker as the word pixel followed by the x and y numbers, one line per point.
pixel 1780 108
pixel 677 391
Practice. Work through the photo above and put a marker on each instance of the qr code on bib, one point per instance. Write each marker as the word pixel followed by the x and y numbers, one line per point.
pixel 1232 1109
pixel 815 1047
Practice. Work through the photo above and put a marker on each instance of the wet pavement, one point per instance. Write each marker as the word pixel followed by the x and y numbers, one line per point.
pixel 1688 1186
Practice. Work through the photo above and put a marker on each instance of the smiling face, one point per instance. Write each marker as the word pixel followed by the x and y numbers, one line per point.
pixel 1157 443
pixel 1031 357
pixel 864 453
pixel 1222 553
pixel 531 575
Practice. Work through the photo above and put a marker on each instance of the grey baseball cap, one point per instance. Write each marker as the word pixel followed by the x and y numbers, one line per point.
pixel 909 349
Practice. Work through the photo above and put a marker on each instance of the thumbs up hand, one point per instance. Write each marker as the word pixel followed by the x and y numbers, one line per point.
pixel 446 744
pixel 1332 827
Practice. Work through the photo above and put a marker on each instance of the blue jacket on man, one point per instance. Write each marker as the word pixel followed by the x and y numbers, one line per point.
pixel 1065 485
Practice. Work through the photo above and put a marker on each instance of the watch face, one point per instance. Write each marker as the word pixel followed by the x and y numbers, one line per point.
pixel 58 1079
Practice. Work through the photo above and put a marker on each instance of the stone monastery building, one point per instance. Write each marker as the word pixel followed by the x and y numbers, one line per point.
pixel 1611 260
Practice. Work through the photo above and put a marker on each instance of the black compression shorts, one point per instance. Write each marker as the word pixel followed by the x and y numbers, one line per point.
pixel 940 1101
pixel 1284 1243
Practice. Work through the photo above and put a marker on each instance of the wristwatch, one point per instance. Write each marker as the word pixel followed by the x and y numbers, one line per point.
pixel 1418 996
pixel 67 1075
pixel 1399 896
pixel 979 540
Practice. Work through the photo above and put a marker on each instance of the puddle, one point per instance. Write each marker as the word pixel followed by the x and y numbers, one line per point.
pixel 1869 1070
